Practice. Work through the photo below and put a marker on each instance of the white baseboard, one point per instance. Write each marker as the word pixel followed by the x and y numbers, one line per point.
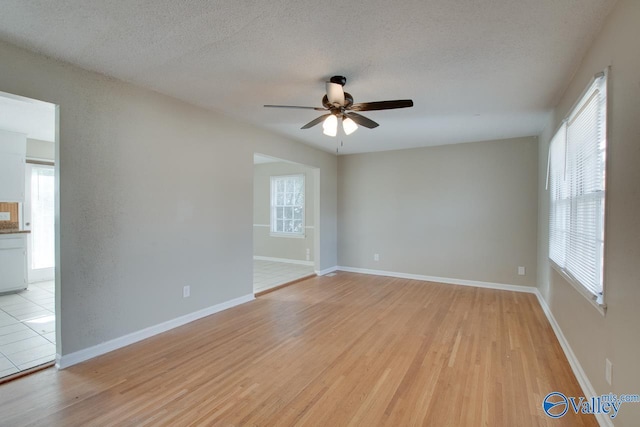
pixel 581 376
pixel 326 271
pixel 463 282
pixel 290 261
pixel 88 353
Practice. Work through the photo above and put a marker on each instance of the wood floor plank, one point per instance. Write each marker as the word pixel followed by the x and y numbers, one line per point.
pixel 349 350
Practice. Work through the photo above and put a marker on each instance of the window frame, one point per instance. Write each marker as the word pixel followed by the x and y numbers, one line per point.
pixel 274 206
pixel 596 299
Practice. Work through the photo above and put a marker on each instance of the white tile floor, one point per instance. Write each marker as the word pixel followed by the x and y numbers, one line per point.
pixel 27 328
pixel 269 274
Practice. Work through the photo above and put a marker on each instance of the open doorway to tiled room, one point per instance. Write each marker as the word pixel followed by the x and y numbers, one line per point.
pixel 285 208
pixel 27 235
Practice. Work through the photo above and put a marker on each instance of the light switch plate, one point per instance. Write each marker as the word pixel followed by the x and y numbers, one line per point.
pixel 608 371
pixel 5 216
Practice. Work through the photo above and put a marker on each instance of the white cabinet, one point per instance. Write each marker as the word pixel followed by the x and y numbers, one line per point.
pixel 13 150
pixel 13 265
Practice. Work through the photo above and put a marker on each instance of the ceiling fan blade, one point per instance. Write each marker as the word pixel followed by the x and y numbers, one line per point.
pixel 296 106
pixel 382 105
pixel 316 121
pixel 362 120
pixel 335 93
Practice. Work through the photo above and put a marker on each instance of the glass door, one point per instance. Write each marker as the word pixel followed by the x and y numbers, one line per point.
pixel 39 218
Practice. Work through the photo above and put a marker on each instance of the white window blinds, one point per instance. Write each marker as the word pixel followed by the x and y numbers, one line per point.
pixel 577 157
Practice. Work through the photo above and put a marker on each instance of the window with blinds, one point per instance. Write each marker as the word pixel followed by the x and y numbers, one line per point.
pixel 577 157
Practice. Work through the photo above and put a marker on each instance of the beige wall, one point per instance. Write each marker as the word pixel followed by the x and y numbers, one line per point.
pixel 465 211
pixel 616 336
pixel 44 150
pixel 281 247
pixel 154 194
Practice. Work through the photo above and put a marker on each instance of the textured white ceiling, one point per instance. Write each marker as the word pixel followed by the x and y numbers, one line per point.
pixel 476 69
pixel 36 119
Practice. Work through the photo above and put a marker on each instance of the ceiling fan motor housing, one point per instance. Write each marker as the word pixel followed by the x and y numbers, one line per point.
pixel 348 101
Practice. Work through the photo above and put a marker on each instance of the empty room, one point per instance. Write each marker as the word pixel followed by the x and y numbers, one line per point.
pixel 320 214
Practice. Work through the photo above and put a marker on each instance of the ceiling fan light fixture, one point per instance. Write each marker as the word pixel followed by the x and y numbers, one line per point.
pixel 349 126
pixel 330 125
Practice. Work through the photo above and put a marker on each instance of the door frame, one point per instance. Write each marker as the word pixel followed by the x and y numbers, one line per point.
pixel 41 274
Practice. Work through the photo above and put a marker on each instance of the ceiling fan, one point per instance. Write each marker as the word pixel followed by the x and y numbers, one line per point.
pixel 339 105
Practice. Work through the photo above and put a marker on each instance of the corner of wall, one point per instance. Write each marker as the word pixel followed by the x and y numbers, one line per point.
pixel 543 207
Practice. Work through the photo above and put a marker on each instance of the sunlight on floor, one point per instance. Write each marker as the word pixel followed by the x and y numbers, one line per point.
pixel 27 328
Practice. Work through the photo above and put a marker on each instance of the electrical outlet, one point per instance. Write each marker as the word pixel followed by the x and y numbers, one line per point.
pixel 186 292
pixel 521 271
pixel 608 371
pixel 376 257
pixel 308 254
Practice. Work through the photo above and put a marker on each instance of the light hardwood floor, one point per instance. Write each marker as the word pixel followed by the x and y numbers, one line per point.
pixel 328 351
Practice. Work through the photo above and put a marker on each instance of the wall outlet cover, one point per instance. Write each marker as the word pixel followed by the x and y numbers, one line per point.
pixel 186 292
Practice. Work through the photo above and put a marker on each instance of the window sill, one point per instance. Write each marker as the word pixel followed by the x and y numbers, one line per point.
pixel 289 235
pixel 596 300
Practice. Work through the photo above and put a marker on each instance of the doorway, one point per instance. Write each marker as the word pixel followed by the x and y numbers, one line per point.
pixel 285 228
pixel 28 128
pixel 39 216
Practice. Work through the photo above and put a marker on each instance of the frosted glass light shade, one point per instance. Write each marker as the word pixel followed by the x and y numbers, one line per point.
pixel 349 126
pixel 330 126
